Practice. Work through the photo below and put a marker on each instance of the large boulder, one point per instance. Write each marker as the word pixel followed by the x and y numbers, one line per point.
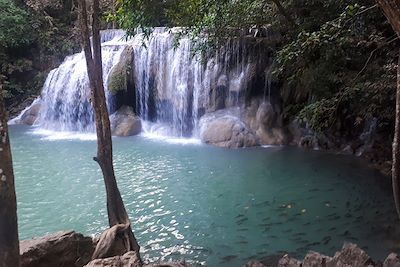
pixel 124 122
pixel 263 119
pixel 266 115
pixel 223 129
pixel 67 249
pixel 30 114
pixel 254 263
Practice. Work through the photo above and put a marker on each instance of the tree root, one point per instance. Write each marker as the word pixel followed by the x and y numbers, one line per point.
pixel 113 242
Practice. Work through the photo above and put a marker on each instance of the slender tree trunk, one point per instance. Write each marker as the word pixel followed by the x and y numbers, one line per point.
pixel 396 147
pixel 391 8
pixel 117 215
pixel 9 244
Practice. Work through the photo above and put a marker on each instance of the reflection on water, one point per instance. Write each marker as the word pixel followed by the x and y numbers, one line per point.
pixel 211 206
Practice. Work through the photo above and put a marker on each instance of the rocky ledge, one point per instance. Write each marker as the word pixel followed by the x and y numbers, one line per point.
pixel 70 249
pixel 350 256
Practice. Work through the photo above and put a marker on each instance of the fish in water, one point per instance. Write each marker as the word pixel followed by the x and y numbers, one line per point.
pixel 241 221
pixel 346 233
pixel 326 240
pixel 313 244
pixel 228 258
pixel 347 215
pixel 266 230
pixel 299 234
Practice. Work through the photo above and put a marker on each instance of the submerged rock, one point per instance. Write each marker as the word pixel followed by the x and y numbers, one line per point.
pixel 224 129
pixel 67 249
pixel 124 122
pixel 253 263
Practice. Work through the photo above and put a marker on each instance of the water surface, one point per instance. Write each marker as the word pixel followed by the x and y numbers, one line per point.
pixel 211 206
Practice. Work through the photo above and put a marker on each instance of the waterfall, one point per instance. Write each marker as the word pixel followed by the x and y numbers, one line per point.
pixel 65 96
pixel 173 87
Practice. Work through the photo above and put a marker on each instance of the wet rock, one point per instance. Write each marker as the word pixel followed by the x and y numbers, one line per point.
pixel 287 261
pixel 119 76
pixel 314 259
pixel 129 259
pixel 67 249
pixel 224 129
pixel 392 260
pixel 350 255
pixel 30 115
pixel 167 264
pixel 266 115
pixel 254 263
pixel 125 123
pixel 308 142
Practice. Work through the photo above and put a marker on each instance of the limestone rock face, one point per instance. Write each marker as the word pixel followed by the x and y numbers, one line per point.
pixel 67 249
pixel 124 122
pixel 224 129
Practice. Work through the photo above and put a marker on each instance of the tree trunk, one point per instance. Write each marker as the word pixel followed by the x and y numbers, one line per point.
pixel 396 147
pixel 391 8
pixel 9 244
pixel 117 214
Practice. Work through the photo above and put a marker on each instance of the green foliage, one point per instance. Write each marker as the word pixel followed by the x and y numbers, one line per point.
pixel 335 61
pixel 15 26
pixel 32 42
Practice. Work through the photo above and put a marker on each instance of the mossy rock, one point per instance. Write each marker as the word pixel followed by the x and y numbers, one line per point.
pixel 120 74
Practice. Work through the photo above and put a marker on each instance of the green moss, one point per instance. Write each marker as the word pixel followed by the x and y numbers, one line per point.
pixel 119 76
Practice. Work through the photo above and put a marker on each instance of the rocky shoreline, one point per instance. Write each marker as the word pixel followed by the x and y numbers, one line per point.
pixel 71 249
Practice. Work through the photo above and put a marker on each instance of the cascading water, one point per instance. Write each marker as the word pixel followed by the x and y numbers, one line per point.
pixel 172 88
pixel 65 96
